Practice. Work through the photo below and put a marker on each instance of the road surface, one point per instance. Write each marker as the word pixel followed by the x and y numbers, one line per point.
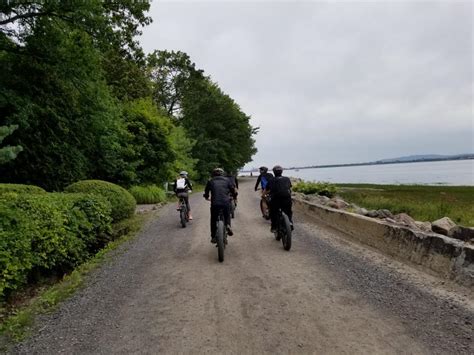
pixel 166 292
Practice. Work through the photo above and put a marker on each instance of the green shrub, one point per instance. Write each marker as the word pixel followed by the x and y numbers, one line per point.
pixel 48 233
pixel 31 189
pixel 320 188
pixel 148 194
pixel 122 202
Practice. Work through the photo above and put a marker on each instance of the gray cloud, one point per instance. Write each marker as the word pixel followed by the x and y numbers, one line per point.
pixel 334 82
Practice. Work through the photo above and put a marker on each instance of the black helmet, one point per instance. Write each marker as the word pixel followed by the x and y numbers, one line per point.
pixel 217 172
pixel 277 170
pixel 263 169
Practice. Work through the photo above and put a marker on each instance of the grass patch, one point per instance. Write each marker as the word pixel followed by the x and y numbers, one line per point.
pixel 17 321
pixel 422 202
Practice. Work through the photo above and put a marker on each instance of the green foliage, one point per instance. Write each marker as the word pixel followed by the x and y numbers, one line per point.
pixel 8 153
pixel 320 188
pixel 424 203
pixel 18 188
pixel 122 202
pixel 48 233
pixel 148 194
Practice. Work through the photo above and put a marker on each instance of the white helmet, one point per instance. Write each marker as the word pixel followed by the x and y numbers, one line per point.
pixel 183 173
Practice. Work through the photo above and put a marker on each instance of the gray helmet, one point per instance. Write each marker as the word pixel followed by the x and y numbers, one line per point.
pixel 263 169
pixel 217 172
pixel 277 169
pixel 183 173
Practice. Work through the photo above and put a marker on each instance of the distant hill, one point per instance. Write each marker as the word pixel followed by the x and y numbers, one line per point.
pixel 424 157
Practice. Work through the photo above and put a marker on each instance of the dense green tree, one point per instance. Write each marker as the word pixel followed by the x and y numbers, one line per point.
pixel 8 153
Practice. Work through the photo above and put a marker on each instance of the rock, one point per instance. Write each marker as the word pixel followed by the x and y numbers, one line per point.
pixel 424 226
pixel 405 219
pixel 443 225
pixel 461 233
pixel 384 214
pixel 390 220
pixel 338 203
pixel 373 214
pixel 361 210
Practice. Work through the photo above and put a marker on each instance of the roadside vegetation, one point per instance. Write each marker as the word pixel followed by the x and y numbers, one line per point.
pixel 320 188
pixel 422 202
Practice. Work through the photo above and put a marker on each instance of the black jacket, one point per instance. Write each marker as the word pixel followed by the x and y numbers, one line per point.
pixel 233 180
pixel 267 176
pixel 221 189
pixel 279 187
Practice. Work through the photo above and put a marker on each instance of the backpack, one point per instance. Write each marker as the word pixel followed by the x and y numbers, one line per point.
pixel 181 184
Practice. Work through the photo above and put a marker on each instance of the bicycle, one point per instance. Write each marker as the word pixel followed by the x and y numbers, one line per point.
pixel 264 202
pixel 283 230
pixel 221 235
pixel 183 212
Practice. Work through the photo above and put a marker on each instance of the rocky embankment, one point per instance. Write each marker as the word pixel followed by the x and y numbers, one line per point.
pixel 444 226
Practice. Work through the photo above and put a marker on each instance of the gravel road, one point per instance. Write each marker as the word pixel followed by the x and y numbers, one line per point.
pixel 166 292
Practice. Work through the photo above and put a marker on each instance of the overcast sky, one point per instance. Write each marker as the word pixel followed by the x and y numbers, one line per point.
pixel 332 81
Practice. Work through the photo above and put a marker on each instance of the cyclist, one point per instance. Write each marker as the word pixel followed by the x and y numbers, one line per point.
pixel 182 187
pixel 279 189
pixel 233 179
pixel 263 179
pixel 220 188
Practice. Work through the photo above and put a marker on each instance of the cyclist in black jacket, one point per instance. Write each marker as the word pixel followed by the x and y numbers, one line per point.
pixel 220 189
pixel 263 178
pixel 279 189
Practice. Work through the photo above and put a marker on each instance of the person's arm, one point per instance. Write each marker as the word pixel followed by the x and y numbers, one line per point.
pixel 206 190
pixel 258 182
pixel 236 182
pixel 174 186
pixel 233 192
pixel 188 182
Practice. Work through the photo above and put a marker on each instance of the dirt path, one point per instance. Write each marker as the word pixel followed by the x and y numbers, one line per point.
pixel 167 293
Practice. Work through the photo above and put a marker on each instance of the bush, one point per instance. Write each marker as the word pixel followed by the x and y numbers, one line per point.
pixel 31 189
pixel 148 194
pixel 320 188
pixel 122 202
pixel 48 233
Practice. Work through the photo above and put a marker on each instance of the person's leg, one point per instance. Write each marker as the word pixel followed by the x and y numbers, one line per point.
pixel 213 222
pixel 186 200
pixel 274 204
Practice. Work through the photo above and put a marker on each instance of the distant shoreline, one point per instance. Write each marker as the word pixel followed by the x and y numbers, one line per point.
pixel 369 163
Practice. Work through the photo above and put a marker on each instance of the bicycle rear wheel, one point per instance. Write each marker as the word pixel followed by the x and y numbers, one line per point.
pixel 182 216
pixel 286 238
pixel 232 209
pixel 220 240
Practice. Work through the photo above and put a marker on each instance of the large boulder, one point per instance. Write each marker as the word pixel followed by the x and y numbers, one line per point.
pixel 406 220
pixel 443 225
pixel 384 214
pixel 338 203
pixel 424 226
pixel 461 233
pixel 362 211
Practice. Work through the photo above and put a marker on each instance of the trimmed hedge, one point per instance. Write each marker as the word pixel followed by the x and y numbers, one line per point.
pixel 320 188
pixel 122 202
pixel 31 189
pixel 148 194
pixel 48 233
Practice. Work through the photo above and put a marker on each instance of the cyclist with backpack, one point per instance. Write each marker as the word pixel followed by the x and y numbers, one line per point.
pixel 219 188
pixel 263 179
pixel 182 187
pixel 279 189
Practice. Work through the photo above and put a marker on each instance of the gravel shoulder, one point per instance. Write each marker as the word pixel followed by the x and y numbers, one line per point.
pixel 166 292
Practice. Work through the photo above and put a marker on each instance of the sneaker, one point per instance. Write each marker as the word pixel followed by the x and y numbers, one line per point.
pixel 292 228
pixel 229 231
pixel 213 240
pixel 273 229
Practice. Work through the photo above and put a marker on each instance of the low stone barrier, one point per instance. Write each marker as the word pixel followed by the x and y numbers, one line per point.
pixel 447 257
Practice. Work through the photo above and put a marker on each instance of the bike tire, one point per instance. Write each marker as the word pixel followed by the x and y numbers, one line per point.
pixel 182 216
pixel 265 211
pixel 220 240
pixel 286 239
pixel 232 209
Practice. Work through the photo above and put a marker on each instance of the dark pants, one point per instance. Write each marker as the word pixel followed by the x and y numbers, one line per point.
pixel 184 196
pixel 215 213
pixel 284 204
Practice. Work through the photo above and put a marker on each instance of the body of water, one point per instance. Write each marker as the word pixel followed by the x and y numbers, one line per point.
pixel 454 172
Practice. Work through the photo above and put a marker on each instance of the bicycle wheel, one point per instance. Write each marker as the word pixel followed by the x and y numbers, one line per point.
pixel 232 209
pixel 286 237
pixel 182 216
pixel 220 240
pixel 264 209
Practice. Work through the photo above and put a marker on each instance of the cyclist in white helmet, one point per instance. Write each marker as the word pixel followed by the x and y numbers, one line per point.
pixel 182 187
